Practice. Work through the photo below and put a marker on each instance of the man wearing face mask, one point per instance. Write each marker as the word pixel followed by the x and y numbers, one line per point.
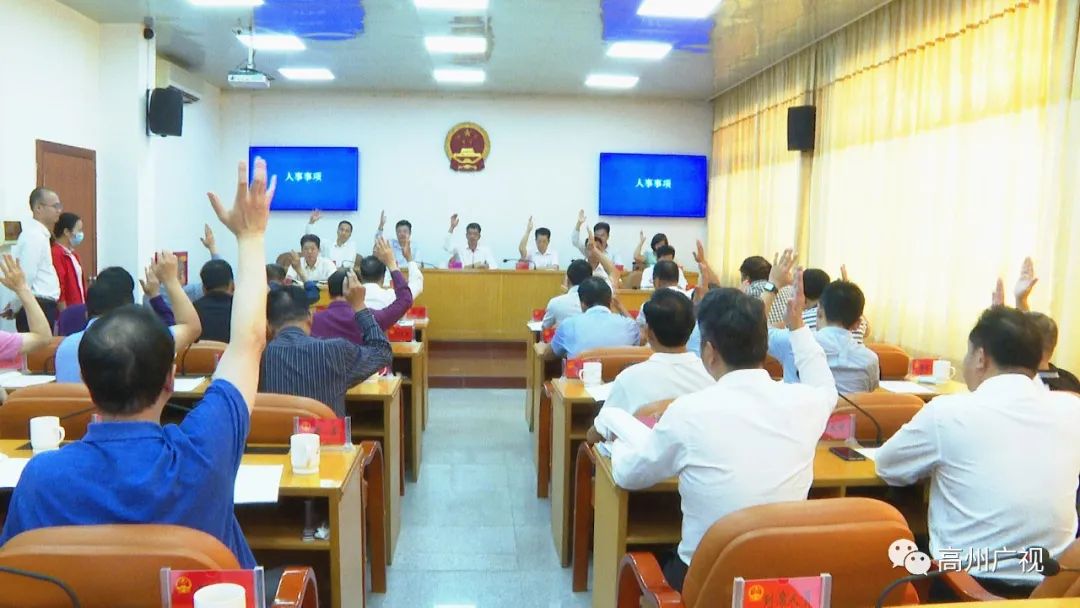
pixel 67 235
pixel 33 250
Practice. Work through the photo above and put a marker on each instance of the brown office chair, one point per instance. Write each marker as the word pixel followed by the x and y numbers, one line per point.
pixel 43 360
pixel 71 402
pixel 845 537
pixel 201 358
pixel 774 367
pixel 272 416
pixel 108 563
pixel 1065 584
pixel 893 361
pixel 891 410
pixel 617 358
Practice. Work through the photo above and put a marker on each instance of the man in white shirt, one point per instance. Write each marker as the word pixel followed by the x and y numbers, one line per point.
pixel 308 265
pixel 374 270
pixel 562 307
pixel 663 253
pixel 600 234
pixel 542 256
pixel 473 254
pixel 667 277
pixel 1003 460
pixel 403 232
pixel 671 371
pixel 343 251
pixel 33 250
pixel 746 440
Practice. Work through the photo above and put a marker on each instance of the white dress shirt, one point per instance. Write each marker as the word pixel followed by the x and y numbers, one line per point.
pixel 399 252
pixel 746 440
pixel 380 297
pixel 34 252
pixel 1003 463
pixel 647 282
pixel 344 256
pixel 662 376
pixel 579 244
pixel 468 257
pixel 544 261
pixel 323 268
pixel 561 308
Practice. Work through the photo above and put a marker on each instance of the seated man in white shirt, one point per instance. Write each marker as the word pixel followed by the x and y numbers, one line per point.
pixel 1003 460
pixel 343 251
pixel 744 441
pixel 671 371
pixel 815 280
pixel 666 274
pixel 663 253
pixel 541 257
pixel 600 234
pixel 308 265
pixel 562 307
pixel 473 254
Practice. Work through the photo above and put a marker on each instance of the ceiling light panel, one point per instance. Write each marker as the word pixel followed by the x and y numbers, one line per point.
pixel 678 9
pixel 639 50
pixel 452 5
pixel 459 76
pixel 611 81
pixel 226 3
pixel 271 42
pixel 312 74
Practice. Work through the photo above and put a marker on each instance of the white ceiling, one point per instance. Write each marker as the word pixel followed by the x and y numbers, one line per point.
pixel 539 46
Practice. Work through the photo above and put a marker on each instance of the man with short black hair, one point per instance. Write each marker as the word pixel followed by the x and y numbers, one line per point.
pixel 755 272
pixel 715 439
pixel 473 254
pixel 275 275
pixel 130 469
pixel 308 265
pixel 600 237
pixel 338 320
pixel 598 326
pixel 33 250
pixel 402 240
pixel 564 306
pixel 666 274
pixel 664 253
pixel 343 251
pixel 215 307
pixel 1003 460
pixel 542 256
pixel 816 281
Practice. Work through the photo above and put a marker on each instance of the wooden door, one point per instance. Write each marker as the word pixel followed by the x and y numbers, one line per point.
pixel 71 173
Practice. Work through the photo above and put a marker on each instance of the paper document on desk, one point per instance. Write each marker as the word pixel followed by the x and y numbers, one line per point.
pixel 19 380
pixel 535 325
pixel 405 323
pixel 604 448
pixel 257 483
pixel 869 453
pixel 619 423
pixel 600 392
pixel 10 471
pixel 907 388
pixel 187 385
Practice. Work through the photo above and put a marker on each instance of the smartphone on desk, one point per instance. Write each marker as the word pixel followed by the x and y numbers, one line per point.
pixel 848 454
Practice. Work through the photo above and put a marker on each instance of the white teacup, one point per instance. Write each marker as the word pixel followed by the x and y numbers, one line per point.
pixel 220 595
pixel 45 433
pixel 943 370
pixel 591 373
pixel 304 453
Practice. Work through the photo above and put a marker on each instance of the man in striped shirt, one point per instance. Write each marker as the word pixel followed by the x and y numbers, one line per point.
pixel 295 363
pixel 815 280
pixel 755 271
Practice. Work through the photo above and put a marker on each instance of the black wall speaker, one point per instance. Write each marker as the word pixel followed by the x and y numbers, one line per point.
pixel 800 127
pixel 165 112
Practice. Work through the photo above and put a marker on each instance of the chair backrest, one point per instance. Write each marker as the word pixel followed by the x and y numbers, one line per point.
pixel 774 367
pixel 1065 584
pixel 891 410
pixel 106 562
pixel 47 400
pixel 272 416
pixel 893 361
pixel 201 357
pixel 617 358
pixel 848 538
pixel 43 360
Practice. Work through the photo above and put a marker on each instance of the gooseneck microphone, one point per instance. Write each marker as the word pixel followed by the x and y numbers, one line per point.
pixel 46 579
pixel 877 427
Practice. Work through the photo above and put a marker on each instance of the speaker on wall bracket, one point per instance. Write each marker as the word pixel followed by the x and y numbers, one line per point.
pixel 165 112
pixel 801 123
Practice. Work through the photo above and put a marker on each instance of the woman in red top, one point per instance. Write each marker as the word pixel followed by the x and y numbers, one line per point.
pixel 68 233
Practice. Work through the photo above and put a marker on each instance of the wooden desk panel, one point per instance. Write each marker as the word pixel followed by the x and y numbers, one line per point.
pixel 572 410
pixel 375 408
pixel 485 304
pixel 410 360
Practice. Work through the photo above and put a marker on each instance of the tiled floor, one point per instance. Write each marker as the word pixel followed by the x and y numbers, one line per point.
pixel 473 532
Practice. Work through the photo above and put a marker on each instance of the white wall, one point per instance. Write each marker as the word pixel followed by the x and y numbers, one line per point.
pixel 543 162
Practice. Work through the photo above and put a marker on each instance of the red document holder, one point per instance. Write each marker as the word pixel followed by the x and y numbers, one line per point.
pixel 178 587
pixel 801 592
pixel 538 314
pixel 572 368
pixel 922 367
pixel 634 314
pixel 397 333
pixel 455 266
pixel 334 433
pixel 521 266
pixel 416 312
pixel 549 335
pixel 840 427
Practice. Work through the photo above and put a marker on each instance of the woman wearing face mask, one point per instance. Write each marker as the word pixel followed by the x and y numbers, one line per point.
pixel 67 235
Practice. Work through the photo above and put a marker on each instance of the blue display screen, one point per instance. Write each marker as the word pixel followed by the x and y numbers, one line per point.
pixel 312 178
pixel 654 185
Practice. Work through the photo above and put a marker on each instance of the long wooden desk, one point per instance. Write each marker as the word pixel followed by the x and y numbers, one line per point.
pixel 572 413
pixel 652 517
pixel 420 334
pixel 275 529
pixel 410 362
pixel 951 387
pixel 375 409
pixel 485 304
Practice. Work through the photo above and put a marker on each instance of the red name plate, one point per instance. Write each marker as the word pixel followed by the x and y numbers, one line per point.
pixel 634 314
pixel 522 266
pixel 620 267
pixel 184 583
pixel 455 265
pixel 840 427
pixel 922 367
pixel 396 333
pixel 549 334
pixel 331 431
pixel 538 314
pixel 16 362
pixel 572 369
pixel 417 312
pixel 804 592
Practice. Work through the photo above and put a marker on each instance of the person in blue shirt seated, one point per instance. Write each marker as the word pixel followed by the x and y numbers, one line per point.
pixel 114 289
pixel 564 306
pixel 598 326
pixel 840 308
pixel 128 468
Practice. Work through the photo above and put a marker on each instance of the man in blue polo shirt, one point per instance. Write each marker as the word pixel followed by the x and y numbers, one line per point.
pixel 598 326
pixel 129 468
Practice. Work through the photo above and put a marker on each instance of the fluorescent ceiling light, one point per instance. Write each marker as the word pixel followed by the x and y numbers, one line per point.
pixel 611 81
pixel 639 50
pixel 226 3
pixel 271 42
pixel 306 73
pixel 677 9
pixel 465 45
pixel 452 5
pixel 460 76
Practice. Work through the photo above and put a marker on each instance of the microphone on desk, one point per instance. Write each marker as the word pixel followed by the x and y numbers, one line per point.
pixel 877 426
pixel 44 578
pixel 531 263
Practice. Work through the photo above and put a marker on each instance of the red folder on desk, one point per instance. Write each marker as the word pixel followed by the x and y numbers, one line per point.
pixel 801 592
pixel 538 314
pixel 179 586
pixel 549 334
pixel 331 431
pixel 522 266
pixel 396 333
pixel 417 312
pixel 840 427
pixel 572 368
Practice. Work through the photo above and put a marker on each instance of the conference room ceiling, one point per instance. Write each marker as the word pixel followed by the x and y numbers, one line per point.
pixel 536 46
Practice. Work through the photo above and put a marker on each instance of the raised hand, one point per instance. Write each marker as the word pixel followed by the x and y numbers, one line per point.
pixel 453 222
pixel 843 273
pixel 251 206
pixel 797 302
pixel 316 215
pixel 783 266
pixel 1025 283
pixel 699 255
pixel 580 218
pixel 385 253
pixel 530 228
pixel 11 274
pixel 406 250
pixel 355 292
pixel 294 259
pixel 150 285
pixel 642 238
pixel 166 267
pixel 998 297
pixel 382 220
pixel 208 240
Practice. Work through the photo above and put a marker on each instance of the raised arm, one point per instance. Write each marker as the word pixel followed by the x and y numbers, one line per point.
pixel 188 328
pixel 1025 284
pixel 575 236
pixel 416 278
pixel 152 288
pixel 375 353
pixel 638 256
pixel 297 267
pixel 13 278
pixel 782 275
pixel 809 357
pixel 403 297
pixel 247 220
pixel 315 216
pixel 523 247
pixel 448 242
pixel 210 242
